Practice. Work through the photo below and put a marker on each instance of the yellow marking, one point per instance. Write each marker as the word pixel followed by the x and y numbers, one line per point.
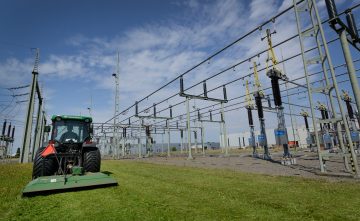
pixel 271 53
pixel 256 77
pixel 248 97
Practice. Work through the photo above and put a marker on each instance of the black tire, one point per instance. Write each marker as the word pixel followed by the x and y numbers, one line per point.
pixel 43 166
pixel 92 161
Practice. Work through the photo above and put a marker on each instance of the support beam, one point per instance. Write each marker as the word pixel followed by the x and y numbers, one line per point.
pixel 188 128
pixel 350 68
pixel 37 134
pixel 168 135
pixel 202 138
pixel 139 141
pixel 224 130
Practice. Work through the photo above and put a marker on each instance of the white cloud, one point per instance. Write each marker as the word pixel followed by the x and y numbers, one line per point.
pixel 262 9
pixel 285 4
pixel 65 66
pixel 14 72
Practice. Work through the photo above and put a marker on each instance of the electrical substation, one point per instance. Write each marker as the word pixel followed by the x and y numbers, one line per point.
pixel 319 122
pixel 180 110
pixel 328 129
pixel 289 98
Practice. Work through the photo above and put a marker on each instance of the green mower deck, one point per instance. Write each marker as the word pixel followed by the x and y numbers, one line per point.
pixel 49 184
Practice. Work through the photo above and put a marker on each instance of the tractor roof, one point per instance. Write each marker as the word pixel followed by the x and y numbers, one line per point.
pixel 72 117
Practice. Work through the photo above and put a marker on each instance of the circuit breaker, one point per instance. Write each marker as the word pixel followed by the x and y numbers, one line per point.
pixel 281 136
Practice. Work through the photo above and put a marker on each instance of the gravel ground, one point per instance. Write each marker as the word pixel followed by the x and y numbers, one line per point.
pixel 307 164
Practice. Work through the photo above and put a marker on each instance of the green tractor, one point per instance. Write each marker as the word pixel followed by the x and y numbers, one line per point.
pixel 70 160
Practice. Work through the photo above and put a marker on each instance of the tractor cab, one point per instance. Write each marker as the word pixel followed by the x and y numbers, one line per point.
pixel 71 133
pixel 71 129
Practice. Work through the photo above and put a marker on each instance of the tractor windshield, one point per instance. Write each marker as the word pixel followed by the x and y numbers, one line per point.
pixel 67 131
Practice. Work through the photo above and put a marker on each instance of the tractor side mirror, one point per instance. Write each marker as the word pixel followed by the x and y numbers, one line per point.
pixel 47 129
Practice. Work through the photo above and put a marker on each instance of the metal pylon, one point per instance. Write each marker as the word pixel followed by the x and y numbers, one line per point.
pixel 26 143
pixel 116 112
pixel 316 32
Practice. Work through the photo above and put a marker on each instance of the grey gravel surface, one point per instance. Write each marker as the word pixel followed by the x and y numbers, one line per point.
pixel 307 165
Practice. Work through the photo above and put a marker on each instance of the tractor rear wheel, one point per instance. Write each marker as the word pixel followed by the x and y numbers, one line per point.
pixel 92 160
pixel 43 166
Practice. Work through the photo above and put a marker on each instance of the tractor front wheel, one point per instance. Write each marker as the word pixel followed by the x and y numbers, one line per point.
pixel 92 161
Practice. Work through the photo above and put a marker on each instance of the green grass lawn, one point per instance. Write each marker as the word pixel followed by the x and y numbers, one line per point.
pixel 156 192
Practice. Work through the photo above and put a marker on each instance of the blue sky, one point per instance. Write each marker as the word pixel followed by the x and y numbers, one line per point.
pixel 44 23
pixel 157 40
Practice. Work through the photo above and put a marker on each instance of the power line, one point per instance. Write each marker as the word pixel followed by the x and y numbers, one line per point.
pixel 20 87
pixel 227 69
pixel 19 95
pixel 192 117
pixel 240 78
pixel 259 27
pixel 231 67
pixel 268 88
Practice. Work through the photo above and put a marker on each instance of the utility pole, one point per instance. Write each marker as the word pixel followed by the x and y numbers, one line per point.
pixel 24 155
pixel 117 110
pixel 91 105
